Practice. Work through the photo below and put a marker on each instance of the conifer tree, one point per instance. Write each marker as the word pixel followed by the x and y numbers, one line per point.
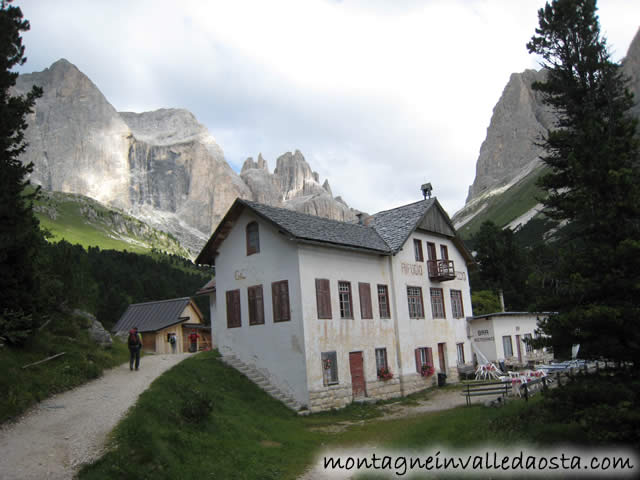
pixel 593 184
pixel 19 232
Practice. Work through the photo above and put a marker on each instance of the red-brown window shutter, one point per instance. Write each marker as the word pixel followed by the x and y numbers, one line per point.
pixel 323 298
pixel 430 356
pixel 280 300
pixel 418 361
pixel 233 308
pixel 256 305
pixel 364 290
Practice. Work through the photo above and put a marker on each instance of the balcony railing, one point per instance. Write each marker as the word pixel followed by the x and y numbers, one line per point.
pixel 441 270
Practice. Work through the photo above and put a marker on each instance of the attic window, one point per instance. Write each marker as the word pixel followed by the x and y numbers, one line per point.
pixel 253 238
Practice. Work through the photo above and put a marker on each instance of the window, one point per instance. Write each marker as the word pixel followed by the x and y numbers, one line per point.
pixel 527 345
pixel 364 291
pixel 424 356
pixel 329 368
pixel 323 298
pixel 508 347
pixel 253 238
pixel 381 361
pixel 256 305
pixel 383 301
pixel 431 250
pixel 414 297
pixel 456 304
pixel 460 348
pixel 233 309
pixel 437 303
pixel 280 299
pixel 444 252
pixel 417 248
pixel 344 294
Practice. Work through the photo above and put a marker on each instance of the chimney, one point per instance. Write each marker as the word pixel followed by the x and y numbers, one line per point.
pixel 360 215
pixel 426 190
pixel 501 295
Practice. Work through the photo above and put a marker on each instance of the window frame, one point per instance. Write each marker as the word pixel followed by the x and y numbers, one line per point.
pixel 280 314
pixel 348 301
pixel 454 312
pixel 528 348
pixel 381 359
pixel 504 350
pixel 252 233
pixel 434 305
pixel 384 295
pixel 256 311
pixel 424 356
pixel 417 250
pixel 419 298
pixel 333 369
pixel 460 353
pixel 233 307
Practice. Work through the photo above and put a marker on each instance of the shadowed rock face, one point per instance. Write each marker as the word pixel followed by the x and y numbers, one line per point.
pixel 162 166
pixel 519 118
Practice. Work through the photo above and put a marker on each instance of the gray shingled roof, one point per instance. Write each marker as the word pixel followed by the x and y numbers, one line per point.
pixel 152 316
pixel 395 225
pixel 319 229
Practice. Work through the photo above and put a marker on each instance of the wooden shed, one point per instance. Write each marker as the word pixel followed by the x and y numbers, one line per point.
pixel 156 321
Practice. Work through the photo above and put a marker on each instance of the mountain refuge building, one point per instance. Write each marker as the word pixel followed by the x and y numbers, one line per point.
pixel 330 312
pixel 156 321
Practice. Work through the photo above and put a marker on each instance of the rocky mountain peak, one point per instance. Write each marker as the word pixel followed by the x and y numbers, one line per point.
pixel 165 126
pixel 249 164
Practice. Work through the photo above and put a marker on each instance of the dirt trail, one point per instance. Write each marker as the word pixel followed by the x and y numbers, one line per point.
pixel 58 435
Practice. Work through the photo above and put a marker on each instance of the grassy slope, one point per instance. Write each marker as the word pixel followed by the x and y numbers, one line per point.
pixel 203 419
pixel 83 361
pixel 502 209
pixel 73 226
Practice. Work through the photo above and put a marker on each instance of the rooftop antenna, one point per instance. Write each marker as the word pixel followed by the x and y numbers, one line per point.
pixel 426 190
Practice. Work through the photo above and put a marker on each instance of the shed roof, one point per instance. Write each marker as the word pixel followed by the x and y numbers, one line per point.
pixel 154 316
pixel 509 314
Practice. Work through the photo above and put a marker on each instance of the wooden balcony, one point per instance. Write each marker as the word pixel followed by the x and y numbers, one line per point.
pixel 441 270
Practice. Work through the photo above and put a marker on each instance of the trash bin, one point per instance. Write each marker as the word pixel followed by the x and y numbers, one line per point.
pixel 442 379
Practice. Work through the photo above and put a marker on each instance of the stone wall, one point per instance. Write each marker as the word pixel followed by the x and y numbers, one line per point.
pixel 415 382
pixel 332 396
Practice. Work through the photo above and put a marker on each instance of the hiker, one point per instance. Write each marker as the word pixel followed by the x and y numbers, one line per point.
pixel 194 341
pixel 135 345
pixel 174 342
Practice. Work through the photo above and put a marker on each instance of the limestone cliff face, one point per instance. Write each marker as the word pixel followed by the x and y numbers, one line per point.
pixel 293 185
pixel 162 167
pixel 77 141
pixel 176 166
pixel 519 118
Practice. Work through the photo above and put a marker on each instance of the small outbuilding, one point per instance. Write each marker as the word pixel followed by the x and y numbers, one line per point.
pixel 158 321
pixel 503 337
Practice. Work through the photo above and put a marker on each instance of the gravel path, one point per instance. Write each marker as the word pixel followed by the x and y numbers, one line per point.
pixel 58 435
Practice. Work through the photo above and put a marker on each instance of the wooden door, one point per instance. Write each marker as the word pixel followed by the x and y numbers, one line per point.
pixel 441 358
pixel 356 365
pixel 431 251
pixel 519 348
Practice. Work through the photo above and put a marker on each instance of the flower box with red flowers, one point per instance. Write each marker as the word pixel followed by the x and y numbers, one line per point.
pixel 427 370
pixel 384 374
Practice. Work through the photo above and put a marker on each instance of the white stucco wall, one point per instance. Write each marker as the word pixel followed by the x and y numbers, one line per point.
pixel 276 349
pixel 483 337
pixel 429 332
pixel 344 335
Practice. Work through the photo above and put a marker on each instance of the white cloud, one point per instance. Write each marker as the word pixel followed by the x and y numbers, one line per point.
pixel 379 95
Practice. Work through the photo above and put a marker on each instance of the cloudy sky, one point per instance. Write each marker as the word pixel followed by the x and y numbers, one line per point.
pixel 380 96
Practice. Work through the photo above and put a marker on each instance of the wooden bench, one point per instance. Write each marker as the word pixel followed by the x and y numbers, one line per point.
pixel 477 389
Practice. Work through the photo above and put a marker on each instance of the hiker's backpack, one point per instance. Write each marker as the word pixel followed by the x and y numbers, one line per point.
pixel 134 339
